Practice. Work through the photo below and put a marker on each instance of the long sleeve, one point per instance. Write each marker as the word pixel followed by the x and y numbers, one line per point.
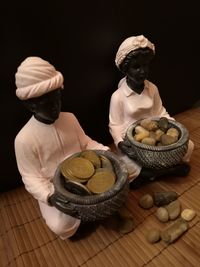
pixel 29 167
pixel 116 119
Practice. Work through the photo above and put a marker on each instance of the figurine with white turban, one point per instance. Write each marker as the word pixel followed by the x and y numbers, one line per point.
pixel 46 140
pixel 138 98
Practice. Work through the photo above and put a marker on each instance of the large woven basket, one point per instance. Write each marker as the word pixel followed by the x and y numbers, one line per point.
pixel 96 207
pixel 158 157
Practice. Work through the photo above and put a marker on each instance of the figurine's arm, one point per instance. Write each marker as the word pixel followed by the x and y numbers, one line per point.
pixel 30 169
pixel 116 119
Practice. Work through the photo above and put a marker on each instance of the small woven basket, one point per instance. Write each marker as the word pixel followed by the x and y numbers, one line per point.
pixel 158 157
pixel 100 206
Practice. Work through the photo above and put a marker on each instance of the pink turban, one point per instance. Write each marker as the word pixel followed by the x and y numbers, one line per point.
pixel 131 44
pixel 36 77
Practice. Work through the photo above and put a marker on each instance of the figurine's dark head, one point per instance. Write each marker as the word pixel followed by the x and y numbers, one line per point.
pixel 133 58
pixel 45 108
pixel 39 87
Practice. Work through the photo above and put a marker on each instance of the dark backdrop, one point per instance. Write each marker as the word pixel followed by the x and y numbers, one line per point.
pixel 80 39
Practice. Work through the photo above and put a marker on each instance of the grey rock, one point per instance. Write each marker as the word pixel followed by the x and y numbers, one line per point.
pixel 164 198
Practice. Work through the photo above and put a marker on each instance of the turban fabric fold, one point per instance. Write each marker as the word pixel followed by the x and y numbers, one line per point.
pixel 36 77
pixel 130 44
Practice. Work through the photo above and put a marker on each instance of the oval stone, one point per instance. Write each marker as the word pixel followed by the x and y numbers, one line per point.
pixel 188 214
pixel 146 201
pixel 153 236
pixel 162 214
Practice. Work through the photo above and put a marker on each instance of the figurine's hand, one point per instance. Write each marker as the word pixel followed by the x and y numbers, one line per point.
pixel 127 149
pixel 62 204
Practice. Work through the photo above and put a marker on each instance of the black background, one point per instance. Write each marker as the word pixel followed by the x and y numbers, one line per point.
pixel 80 38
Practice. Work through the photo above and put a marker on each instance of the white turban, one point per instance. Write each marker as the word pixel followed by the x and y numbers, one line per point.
pixel 131 44
pixel 36 77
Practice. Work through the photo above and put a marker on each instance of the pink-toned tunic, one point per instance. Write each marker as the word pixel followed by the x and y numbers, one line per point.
pixel 39 149
pixel 126 107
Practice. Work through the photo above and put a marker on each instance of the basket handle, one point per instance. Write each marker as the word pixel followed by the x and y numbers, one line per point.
pixel 62 204
pixel 127 148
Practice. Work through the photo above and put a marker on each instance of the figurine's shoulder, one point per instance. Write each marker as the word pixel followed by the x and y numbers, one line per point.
pixel 122 82
pixel 119 90
pixel 67 116
pixel 25 135
pixel 67 121
pixel 150 86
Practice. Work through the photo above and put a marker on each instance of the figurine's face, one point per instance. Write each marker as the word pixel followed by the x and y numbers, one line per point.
pixel 138 69
pixel 46 108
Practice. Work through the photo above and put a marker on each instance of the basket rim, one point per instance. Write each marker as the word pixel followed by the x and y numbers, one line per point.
pixel 93 199
pixel 184 138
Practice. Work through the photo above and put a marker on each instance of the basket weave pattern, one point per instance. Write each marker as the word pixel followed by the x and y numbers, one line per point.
pixel 100 206
pixel 158 157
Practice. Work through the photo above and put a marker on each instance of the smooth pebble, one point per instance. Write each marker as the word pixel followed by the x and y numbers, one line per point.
pixel 188 214
pixel 146 201
pixel 162 214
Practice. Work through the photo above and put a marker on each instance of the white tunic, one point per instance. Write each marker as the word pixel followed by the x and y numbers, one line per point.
pixel 126 107
pixel 39 148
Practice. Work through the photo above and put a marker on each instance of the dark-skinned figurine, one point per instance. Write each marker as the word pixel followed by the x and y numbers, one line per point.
pixel 138 98
pixel 46 140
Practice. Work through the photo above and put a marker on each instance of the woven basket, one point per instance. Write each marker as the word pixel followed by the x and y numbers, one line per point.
pixel 158 157
pixel 96 207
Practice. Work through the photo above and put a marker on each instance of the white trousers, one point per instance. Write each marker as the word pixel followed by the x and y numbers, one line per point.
pixel 134 168
pixel 60 223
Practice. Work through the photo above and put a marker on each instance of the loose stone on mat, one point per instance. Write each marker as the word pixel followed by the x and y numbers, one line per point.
pixel 126 225
pixel 174 231
pixel 174 209
pixel 146 201
pixel 164 198
pixel 153 236
pixel 162 214
pixel 188 214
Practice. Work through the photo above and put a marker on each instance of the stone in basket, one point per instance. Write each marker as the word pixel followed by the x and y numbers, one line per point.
pixel 93 206
pixel 163 156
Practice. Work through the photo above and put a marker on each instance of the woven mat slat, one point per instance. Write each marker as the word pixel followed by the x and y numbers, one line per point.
pixel 189 118
pixel 11 245
pixel 65 253
pixel 191 199
pixel 43 231
pixel 32 209
pixel 101 260
pixel 5 219
pixel 16 195
pixel 55 251
pixel 3 254
pixel 31 260
pixel 43 261
pixel 195 137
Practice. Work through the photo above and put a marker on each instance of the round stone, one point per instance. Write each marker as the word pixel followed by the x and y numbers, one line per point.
pixel 146 201
pixel 153 236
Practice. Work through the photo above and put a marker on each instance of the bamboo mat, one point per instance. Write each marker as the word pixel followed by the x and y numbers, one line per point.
pixel 25 240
